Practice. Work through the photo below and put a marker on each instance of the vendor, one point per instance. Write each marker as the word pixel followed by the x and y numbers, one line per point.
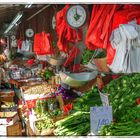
pixel 4 76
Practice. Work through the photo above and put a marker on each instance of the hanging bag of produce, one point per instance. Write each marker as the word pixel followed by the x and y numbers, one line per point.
pixel 42 44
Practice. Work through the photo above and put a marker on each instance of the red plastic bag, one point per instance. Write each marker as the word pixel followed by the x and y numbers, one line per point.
pixel 43 44
pixel 99 28
pixel 19 42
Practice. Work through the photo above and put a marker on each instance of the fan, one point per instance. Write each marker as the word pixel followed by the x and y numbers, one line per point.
pixel 29 32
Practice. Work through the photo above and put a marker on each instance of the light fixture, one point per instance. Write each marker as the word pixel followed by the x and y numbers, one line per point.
pixel 28 5
pixel 15 20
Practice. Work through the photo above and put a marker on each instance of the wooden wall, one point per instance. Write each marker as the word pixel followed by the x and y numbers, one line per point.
pixel 39 23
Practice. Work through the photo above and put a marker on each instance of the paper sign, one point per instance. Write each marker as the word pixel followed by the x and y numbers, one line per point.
pixel 100 116
pixel 104 99
pixel 3 130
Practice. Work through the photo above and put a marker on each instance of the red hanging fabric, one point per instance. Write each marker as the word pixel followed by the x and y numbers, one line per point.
pixel 43 44
pixel 104 19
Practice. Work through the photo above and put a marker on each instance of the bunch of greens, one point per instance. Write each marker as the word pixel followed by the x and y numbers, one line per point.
pixel 121 129
pixel 48 74
pixel 123 93
pixel 77 124
pixel 89 99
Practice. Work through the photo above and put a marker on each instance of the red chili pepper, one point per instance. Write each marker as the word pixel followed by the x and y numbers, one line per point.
pixel 65 109
pixel 69 106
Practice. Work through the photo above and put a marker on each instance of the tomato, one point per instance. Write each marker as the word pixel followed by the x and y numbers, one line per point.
pixel 138 101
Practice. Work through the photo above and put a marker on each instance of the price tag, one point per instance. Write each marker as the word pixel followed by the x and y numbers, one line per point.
pixel 100 116
pixel 104 98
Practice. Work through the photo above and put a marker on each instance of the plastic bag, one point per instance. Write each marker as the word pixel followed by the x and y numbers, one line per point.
pixel 43 44
pixel 127 55
pixel 25 46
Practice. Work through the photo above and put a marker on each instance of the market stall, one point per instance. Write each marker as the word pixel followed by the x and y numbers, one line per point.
pixel 71 70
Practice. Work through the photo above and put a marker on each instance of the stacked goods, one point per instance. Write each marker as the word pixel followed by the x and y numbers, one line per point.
pixel 39 89
pixel 77 124
pixel 8 106
pixel 124 98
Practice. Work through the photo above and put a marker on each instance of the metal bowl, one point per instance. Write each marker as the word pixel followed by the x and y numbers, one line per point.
pixel 77 79
pixel 55 61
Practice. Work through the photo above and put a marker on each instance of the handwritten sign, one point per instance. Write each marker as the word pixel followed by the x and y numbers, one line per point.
pixel 100 116
pixel 104 99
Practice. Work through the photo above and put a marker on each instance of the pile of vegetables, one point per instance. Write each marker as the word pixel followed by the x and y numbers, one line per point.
pixel 45 123
pixel 99 53
pixel 77 124
pixel 48 74
pixel 45 73
pixel 49 107
pixel 89 99
pixel 121 129
pixel 124 94
pixel 67 94
pixel 87 56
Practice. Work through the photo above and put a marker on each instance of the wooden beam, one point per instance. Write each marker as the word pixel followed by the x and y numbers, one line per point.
pixel 38 12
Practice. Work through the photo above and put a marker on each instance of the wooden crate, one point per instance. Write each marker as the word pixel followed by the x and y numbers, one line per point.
pixel 7 99
pixel 15 130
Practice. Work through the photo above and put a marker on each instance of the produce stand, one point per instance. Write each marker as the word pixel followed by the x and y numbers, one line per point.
pixel 77 78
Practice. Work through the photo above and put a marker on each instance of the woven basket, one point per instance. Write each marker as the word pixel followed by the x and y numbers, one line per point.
pixel 14 130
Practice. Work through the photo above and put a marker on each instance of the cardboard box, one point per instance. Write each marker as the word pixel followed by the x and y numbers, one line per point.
pixel 8 118
pixel 11 130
